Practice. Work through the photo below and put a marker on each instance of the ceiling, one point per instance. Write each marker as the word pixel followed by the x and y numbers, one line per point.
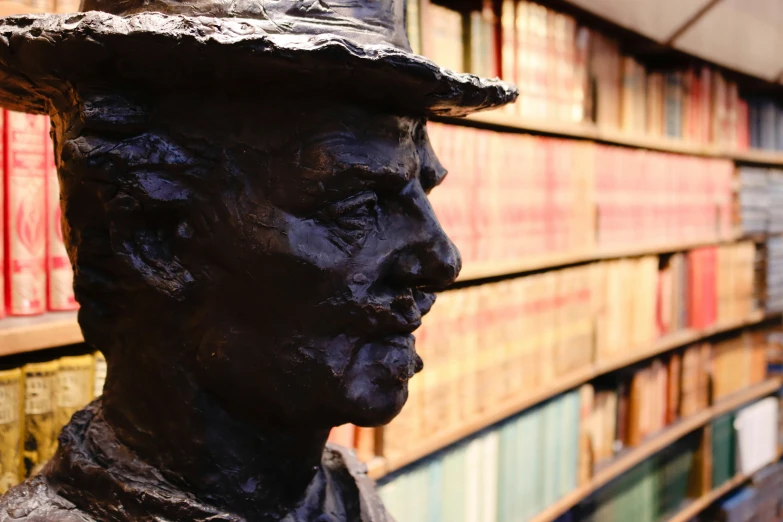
pixel 744 35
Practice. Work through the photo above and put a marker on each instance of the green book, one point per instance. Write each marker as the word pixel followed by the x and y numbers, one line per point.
pixel 552 412
pixel 527 454
pixel 537 459
pixel 453 490
pixel 490 446
pixel 506 472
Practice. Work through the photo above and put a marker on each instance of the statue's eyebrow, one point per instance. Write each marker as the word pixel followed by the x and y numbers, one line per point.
pixel 385 177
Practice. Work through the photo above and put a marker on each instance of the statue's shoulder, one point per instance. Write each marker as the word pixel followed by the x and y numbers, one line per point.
pixel 36 501
pixel 338 459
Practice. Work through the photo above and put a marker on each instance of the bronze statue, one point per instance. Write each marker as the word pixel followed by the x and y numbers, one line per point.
pixel 244 190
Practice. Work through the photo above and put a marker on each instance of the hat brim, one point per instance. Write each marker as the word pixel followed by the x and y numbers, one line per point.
pixel 45 57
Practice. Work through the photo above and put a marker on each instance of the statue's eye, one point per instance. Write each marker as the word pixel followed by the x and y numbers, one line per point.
pixel 360 206
pixel 351 219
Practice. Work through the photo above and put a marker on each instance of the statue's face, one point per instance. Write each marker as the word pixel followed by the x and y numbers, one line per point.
pixel 323 270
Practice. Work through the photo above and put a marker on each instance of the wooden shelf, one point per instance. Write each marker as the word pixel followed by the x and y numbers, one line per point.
pixel 481 270
pixel 589 131
pixel 27 334
pixel 700 504
pixel 634 456
pixel 562 384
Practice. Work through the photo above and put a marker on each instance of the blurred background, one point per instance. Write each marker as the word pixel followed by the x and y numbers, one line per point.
pixel 613 348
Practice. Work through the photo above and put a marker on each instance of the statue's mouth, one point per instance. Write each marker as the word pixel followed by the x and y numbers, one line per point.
pixel 401 359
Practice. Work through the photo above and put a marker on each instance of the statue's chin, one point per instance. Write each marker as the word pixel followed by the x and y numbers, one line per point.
pixel 376 405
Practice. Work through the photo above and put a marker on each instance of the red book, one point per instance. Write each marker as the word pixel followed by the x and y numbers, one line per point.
pixel 25 210
pixel 2 224
pixel 695 281
pixel 58 266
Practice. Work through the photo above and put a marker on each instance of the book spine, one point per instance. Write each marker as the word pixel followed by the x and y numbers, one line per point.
pixel 11 427
pixel 100 371
pixel 75 385
pixel 412 24
pixel 25 167
pixel 3 221
pixel 40 430
pixel 59 271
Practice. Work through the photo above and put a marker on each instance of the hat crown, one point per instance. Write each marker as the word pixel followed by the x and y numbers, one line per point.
pixel 369 21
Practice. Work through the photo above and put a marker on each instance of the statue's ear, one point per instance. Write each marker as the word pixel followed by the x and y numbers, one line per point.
pixel 142 184
pixel 145 235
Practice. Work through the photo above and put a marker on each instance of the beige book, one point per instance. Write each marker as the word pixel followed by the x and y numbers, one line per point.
pixel 11 427
pixel 99 373
pixel 40 430
pixel 75 386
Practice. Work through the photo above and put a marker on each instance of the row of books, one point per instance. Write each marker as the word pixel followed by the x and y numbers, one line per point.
pixel 517 468
pixel 508 473
pixel 758 501
pixel 513 197
pixel 741 442
pixel 569 72
pixel 651 491
pixel 758 207
pixel 37 273
pixel 36 401
pixel 485 345
pixel 625 408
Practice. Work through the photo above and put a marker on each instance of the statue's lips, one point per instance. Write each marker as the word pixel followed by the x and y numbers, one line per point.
pixel 399 357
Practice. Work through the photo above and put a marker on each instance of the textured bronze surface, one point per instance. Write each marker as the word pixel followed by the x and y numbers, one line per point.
pixel 253 247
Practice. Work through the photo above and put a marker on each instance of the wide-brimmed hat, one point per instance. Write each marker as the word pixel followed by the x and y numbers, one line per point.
pixel 356 48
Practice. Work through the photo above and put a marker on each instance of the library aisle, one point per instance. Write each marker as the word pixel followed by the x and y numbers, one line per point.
pixel 613 348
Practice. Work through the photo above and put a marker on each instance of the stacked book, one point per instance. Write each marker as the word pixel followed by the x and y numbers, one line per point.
pixel 37 275
pixel 36 401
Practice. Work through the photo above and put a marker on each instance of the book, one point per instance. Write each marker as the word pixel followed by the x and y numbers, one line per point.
pixel 25 179
pixel 100 370
pixel 11 427
pixel 59 272
pixel 40 429
pixel 75 387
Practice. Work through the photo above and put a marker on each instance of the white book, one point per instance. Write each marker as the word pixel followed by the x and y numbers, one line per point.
pixel 473 480
pixel 756 427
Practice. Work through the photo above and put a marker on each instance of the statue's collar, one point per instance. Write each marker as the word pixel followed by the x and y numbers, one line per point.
pixel 92 466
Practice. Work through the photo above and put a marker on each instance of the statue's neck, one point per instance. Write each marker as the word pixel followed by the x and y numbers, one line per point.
pixel 250 470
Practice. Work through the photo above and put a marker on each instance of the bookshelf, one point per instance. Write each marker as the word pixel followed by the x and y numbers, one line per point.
pixel 481 270
pixel 384 466
pixel 628 460
pixel 28 334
